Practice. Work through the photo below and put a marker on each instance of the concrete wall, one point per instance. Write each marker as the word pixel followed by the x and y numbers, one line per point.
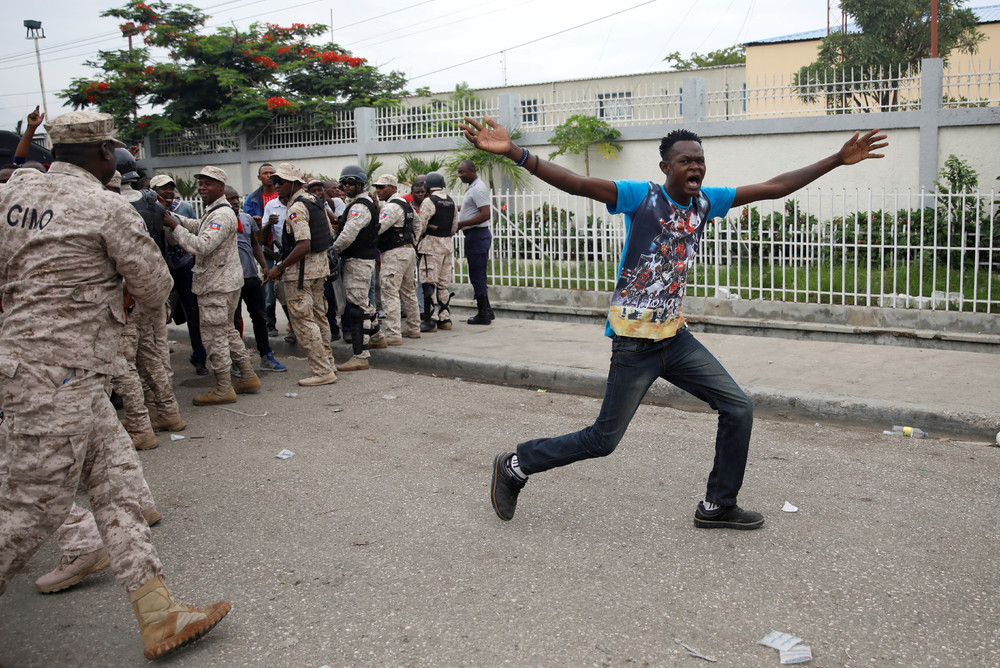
pixel 738 151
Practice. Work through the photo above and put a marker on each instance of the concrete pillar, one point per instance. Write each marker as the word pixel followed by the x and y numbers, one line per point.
pixel 931 89
pixel 366 132
pixel 693 100
pixel 245 164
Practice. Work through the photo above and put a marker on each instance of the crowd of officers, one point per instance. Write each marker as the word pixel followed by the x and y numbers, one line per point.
pixel 87 261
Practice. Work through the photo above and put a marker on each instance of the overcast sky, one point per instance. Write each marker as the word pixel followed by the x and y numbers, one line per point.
pixel 436 43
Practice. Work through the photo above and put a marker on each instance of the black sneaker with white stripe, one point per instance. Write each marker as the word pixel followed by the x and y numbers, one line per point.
pixel 504 487
pixel 727 517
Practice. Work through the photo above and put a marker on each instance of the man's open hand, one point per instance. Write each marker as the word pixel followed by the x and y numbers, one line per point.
pixel 860 148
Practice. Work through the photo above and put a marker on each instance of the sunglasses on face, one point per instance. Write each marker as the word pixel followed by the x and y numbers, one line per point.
pixel 350 182
pixel 277 180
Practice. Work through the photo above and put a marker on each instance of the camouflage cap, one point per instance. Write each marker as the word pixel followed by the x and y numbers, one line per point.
pixel 160 180
pixel 82 127
pixel 116 180
pixel 216 173
pixel 387 180
pixel 286 171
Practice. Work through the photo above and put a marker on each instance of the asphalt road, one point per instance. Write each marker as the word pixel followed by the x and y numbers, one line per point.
pixel 374 545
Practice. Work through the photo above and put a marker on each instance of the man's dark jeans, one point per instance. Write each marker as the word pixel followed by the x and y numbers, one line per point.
pixel 253 296
pixel 635 364
pixel 183 277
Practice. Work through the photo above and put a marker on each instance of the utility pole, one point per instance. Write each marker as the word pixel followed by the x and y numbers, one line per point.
pixel 934 28
pixel 36 33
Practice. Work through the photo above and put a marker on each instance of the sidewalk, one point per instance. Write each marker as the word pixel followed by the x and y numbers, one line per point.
pixel 949 393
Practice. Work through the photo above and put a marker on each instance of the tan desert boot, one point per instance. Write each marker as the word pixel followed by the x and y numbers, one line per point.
pixel 377 342
pixel 168 422
pixel 167 625
pixel 394 341
pixel 222 394
pixel 144 440
pixel 151 515
pixel 247 383
pixel 71 570
pixel 324 379
pixel 354 364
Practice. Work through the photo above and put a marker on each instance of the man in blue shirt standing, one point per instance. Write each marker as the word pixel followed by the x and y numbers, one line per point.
pixel 664 225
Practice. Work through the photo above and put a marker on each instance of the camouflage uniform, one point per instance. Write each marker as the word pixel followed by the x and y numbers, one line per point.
pixel 125 381
pixel 357 272
pixel 436 261
pixel 152 352
pixel 218 280
pixel 307 305
pixel 60 271
pixel 397 275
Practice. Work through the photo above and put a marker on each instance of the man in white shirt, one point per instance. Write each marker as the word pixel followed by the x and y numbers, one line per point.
pixel 474 221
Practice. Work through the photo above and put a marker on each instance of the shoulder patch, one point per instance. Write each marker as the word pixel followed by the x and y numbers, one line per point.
pixel 214 226
pixel 383 215
pixel 355 213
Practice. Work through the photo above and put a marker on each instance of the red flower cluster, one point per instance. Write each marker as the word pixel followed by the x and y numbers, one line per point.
pixel 282 50
pixel 150 69
pixel 265 61
pixel 277 102
pixel 334 57
pixel 307 52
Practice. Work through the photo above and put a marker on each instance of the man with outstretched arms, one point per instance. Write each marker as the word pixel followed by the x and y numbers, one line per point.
pixel 664 225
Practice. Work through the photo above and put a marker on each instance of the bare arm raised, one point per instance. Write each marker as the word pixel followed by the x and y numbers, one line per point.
pixel 856 149
pixel 492 137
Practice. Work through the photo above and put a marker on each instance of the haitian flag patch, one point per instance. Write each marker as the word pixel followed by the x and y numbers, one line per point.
pixel 214 226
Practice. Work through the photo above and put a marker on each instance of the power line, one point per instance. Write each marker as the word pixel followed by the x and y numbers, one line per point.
pixel 539 39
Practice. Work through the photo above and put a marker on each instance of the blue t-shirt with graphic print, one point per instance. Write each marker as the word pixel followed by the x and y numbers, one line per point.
pixel 661 243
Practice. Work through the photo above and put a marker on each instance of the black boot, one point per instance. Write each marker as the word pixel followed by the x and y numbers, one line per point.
pixel 427 323
pixel 485 315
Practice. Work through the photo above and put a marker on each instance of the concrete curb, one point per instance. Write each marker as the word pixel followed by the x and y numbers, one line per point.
pixel 768 402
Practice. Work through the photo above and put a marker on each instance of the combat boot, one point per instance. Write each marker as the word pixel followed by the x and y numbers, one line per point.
pixel 222 394
pixel 485 312
pixel 248 382
pixel 168 422
pixel 144 440
pixel 323 379
pixel 71 570
pixel 167 625
pixel 354 364
pixel 444 324
pixel 151 515
pixel 377 342
pixel 428 325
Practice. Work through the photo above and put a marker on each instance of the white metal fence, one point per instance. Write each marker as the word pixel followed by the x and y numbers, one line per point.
pixel 644 104
pixel 889 249
pixel 431 118
pixel 828 92
pixel 975 87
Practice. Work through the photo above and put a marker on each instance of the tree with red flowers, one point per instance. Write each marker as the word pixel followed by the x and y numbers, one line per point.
pixel 242 80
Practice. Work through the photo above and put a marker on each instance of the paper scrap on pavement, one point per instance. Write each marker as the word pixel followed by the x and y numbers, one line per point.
pixel 789 508
pixel 797 654
pixel 779 640
pixel 284 454
pixel 693 652
pixel 176 437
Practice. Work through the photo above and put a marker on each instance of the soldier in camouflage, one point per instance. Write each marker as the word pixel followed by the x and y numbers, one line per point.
pixel 304 267
pixel 218 280
pixel 61 271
